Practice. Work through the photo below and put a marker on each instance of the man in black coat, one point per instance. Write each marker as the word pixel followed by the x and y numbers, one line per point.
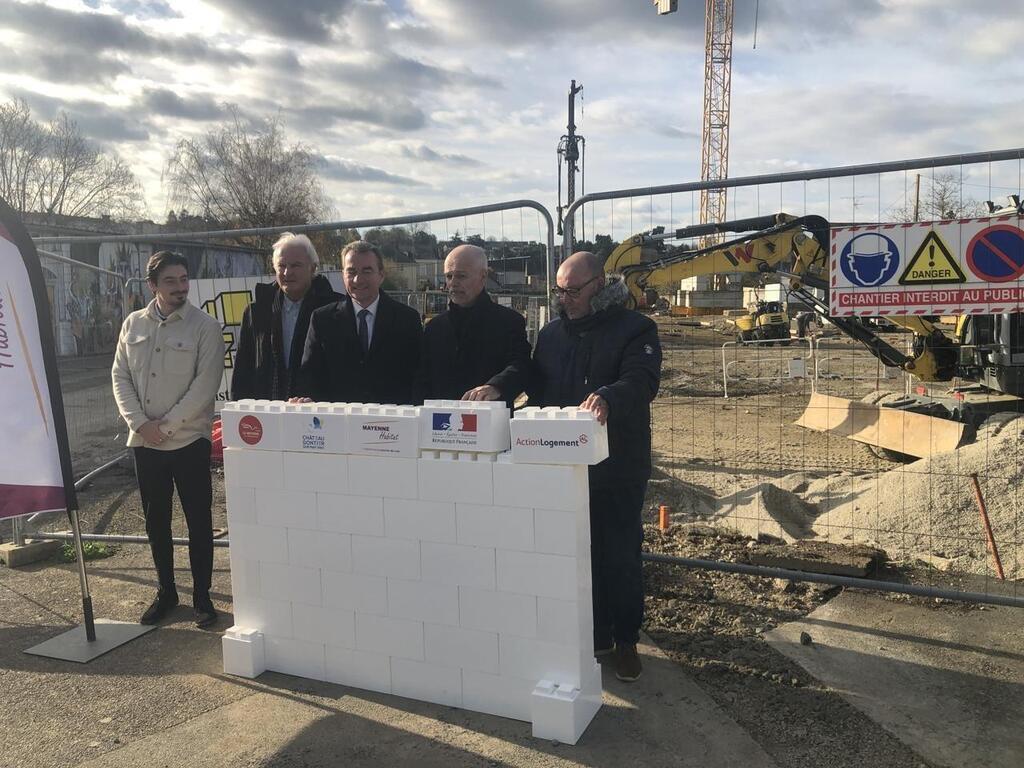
pixel 364 349
pixel 605 358
pixel 477 349
pixel 274 325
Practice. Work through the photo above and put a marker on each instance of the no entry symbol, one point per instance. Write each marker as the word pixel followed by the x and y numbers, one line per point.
pixel 996 254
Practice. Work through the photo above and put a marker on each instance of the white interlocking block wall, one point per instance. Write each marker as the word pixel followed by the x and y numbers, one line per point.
pixel 461 578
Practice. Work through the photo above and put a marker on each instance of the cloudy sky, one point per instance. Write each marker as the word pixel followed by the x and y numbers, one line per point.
pixel 422 105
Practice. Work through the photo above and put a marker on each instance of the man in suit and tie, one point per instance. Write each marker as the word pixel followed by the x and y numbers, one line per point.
pixel 365 348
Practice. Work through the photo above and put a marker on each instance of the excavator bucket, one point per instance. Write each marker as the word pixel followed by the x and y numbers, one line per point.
pixel 902 431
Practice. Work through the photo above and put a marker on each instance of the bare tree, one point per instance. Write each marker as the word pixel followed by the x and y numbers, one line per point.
pixel 55 170
pixel 247 175
pixel 941 197
pixel 23 143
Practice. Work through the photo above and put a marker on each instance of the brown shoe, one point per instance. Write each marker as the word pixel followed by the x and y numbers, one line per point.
pixel 627 663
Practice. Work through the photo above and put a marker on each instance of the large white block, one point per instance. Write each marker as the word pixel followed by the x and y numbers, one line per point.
pixel 294 656
pixel 320 549
pixel 497 694
pixel 376 556
pixel 241 505
pixel 324 625
pixel 253 469
pixel 243 652
pixel 359 669
pixel 538 486
pixel 290 582
pixel 251 424
pixel 245 578
pixel 387 635
pixel 289 509
pixel 533 573
pixel 355 592
pixel 457 564
pixel 556 531
pixel 461 647
pixel 497 611
pixel 392 478
pixel 566 622
pixel 383 430
pixel 350 514
pixel 561 712
pixel 558 436
pixel 426 682
pixel 424 520
pixel 258 542
pixel 463 425
pixel 316 472
pixel 423 601
pixel 314 427
pixel 272 617
pixel 500 527
pixel 456 477
pixel 534 659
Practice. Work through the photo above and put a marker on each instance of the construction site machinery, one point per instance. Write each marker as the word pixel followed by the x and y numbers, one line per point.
pixel 983 355
pixel 766 322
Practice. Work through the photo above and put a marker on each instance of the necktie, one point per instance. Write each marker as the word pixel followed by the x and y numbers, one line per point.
pixel 364 331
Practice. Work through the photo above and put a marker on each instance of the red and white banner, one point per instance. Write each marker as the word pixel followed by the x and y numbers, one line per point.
pixel 963 266
pixel 35 467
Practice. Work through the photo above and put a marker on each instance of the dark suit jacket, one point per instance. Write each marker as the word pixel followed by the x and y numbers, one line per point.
pixel 259 370
pixel 491 349
pixel 334 368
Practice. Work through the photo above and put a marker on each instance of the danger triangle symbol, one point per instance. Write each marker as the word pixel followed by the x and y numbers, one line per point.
pixel 933 263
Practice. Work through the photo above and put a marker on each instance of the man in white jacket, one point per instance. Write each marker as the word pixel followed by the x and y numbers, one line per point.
pixel 167 369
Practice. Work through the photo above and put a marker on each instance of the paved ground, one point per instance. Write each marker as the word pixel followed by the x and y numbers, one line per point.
pixel 948 683
pixel 163 700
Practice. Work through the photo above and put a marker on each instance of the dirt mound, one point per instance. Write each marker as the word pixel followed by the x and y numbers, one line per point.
pixel 767 509
pixel 929 506
pixel 924 508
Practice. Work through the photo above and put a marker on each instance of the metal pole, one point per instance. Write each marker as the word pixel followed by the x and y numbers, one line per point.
pixel 116 538
pixel 17 535
pixel 839 581
pixel 90 624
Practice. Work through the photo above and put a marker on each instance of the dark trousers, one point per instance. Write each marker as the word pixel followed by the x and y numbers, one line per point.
pixel 616 538
pixel 188 470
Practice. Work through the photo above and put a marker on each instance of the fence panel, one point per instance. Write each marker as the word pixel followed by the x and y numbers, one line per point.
pixel 743 464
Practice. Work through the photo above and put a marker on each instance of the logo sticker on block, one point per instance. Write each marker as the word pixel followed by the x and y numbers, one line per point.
pixel 388 430
pixel 453 425
pixel 558 436
pixel 250 430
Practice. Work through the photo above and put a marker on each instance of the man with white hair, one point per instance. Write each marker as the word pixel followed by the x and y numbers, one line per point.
pixel 477 349
pixel 274 325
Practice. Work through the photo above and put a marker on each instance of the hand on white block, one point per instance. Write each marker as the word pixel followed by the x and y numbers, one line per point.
pixel 300 400
pixel 483 392
pixel 596 405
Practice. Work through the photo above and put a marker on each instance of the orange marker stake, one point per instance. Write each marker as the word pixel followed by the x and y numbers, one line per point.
pixel 663 518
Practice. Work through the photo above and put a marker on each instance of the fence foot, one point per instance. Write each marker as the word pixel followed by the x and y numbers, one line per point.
pixel 32 551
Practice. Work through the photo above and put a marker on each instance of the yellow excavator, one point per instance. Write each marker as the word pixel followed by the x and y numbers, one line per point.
pixel 985 351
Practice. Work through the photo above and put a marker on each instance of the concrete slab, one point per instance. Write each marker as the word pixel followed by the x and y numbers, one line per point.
pixel 947 680
pixel 662 720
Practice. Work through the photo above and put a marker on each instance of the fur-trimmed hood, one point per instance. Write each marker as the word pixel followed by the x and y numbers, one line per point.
pixel 614 294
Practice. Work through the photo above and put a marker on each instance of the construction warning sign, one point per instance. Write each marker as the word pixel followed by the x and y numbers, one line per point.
pixel 932 263
pixel 963 266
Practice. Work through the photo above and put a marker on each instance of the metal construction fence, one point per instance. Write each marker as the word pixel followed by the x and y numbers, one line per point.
pixel 746 463
pixel 89 300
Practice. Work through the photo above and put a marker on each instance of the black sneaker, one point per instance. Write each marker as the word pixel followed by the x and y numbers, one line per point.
pixel 164 603
pixel 205 613
pixel 627 663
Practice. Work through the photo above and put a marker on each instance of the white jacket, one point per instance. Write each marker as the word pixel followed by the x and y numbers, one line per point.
pixel 168 370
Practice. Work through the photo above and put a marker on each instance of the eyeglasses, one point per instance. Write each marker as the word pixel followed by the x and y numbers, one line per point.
pixel 572 293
